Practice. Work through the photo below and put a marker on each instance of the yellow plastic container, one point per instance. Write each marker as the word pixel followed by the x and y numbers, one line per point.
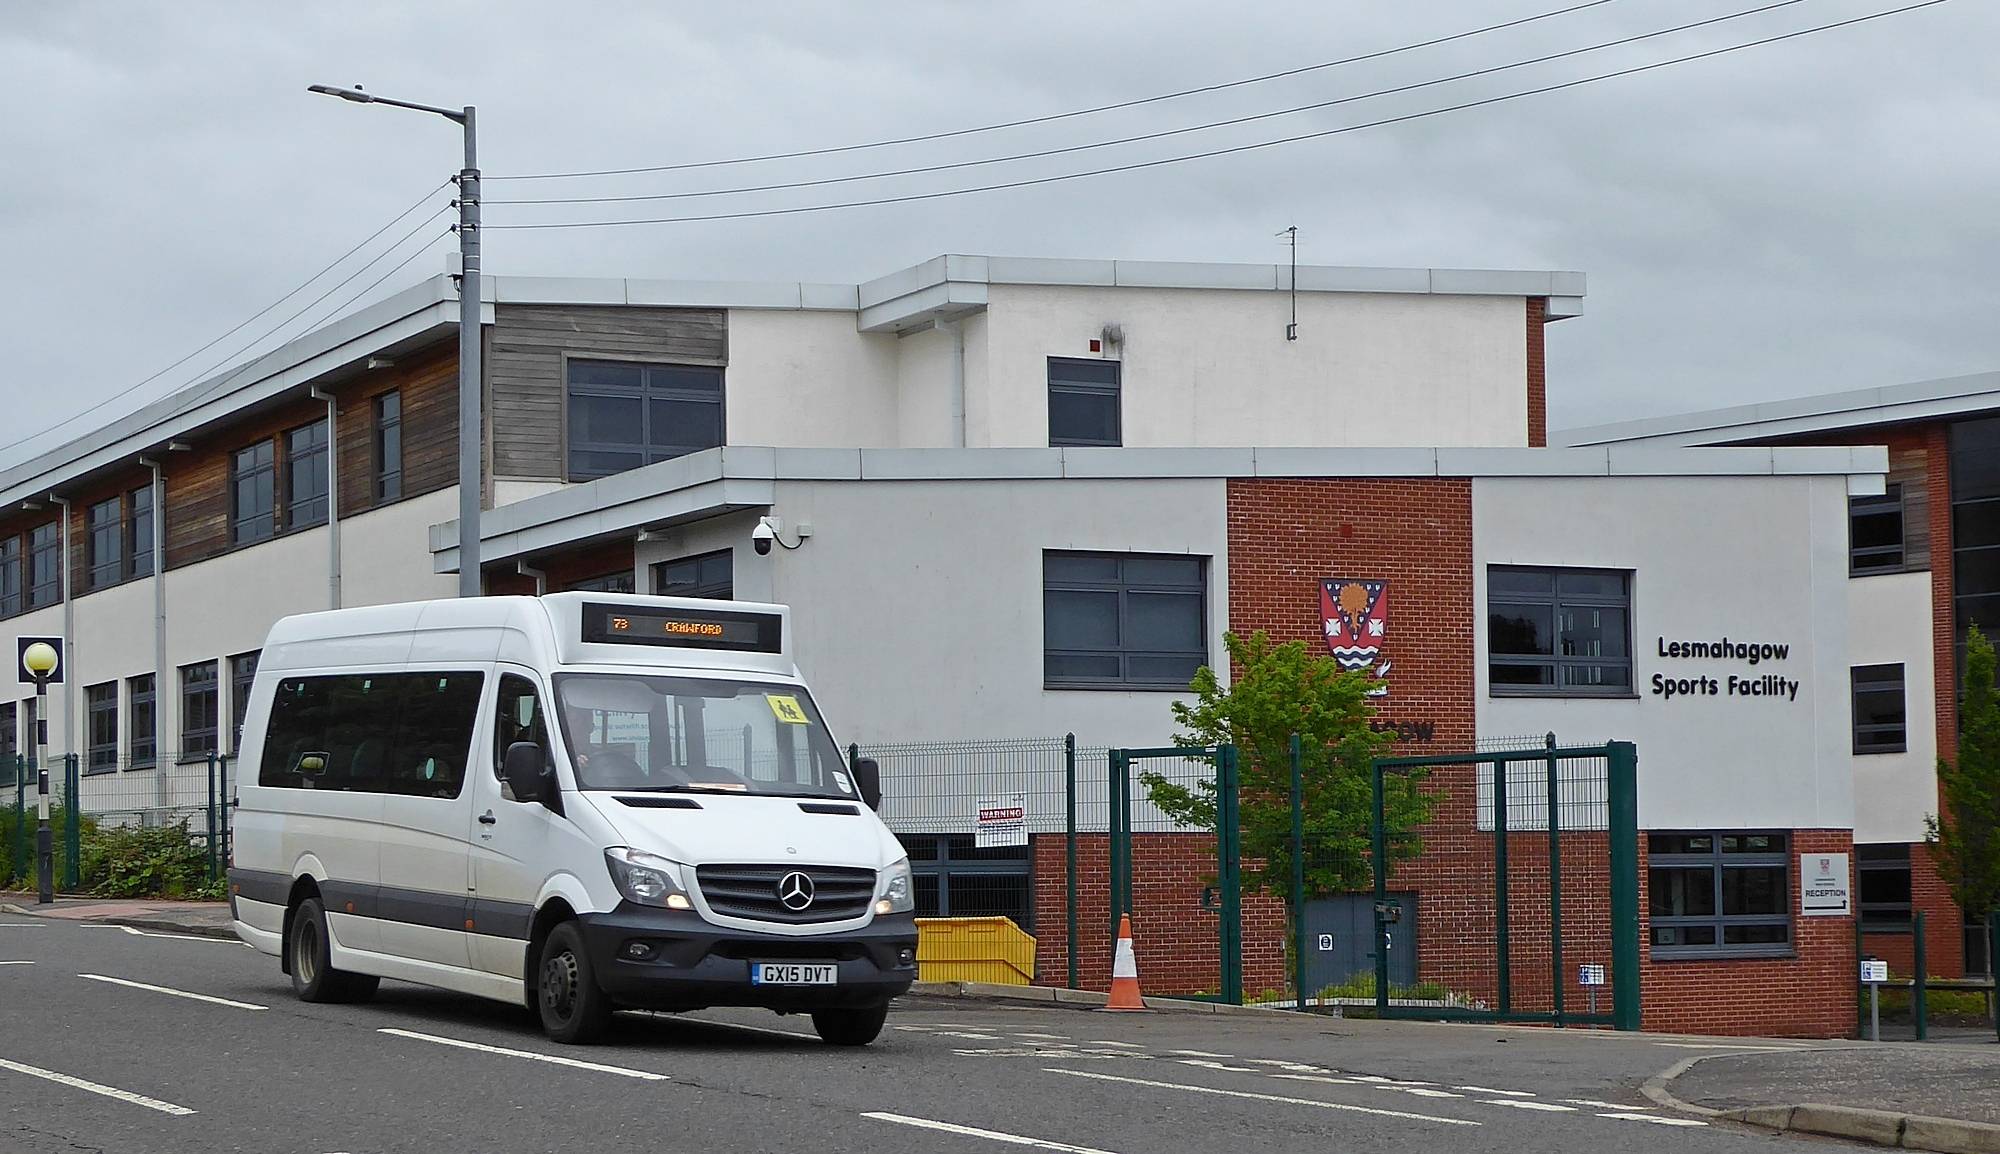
pixel 974 950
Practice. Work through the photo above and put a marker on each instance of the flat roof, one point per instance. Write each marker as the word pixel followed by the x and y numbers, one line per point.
pixel 428 310
pixel 1858 409
pixel 739 477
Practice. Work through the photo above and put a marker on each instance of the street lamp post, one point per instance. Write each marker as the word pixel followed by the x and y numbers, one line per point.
pixel 470 481
pixel 40 660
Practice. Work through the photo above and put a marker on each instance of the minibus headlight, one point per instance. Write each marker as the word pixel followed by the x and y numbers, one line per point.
pixel 646 879
pixel 895 896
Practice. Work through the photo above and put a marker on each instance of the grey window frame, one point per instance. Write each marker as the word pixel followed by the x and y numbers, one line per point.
pixel 621 581
pixel 1719 861
pixel 936 868
pixel 105 559
pixel 1124 588
pixel 1114 390
pixel 1882 685
pixel 1884 917
pixel 13 576
pixel 307 458
pixel 261 524
pixel 242 678
pixel 1867 560
pixel 704 583
pixel 142 696
pixel 388 473
pixel 646 448
pixel 44 553
pixel 139 514
pixel 101 727
pixel 1557 661
pixel 201 696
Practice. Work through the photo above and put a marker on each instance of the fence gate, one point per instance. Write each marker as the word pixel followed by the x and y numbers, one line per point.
pixel 1525 880
pixel 1172 908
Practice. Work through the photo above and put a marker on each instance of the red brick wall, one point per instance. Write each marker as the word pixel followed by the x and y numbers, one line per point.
pixel 1538 377
pixel 1809 995
pixel 1944 941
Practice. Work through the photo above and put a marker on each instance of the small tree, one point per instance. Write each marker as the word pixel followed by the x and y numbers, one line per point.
pixel 1965 835
pixel 1280 690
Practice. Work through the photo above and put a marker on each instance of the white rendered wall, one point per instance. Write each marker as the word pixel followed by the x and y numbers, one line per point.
pixel 809 379
pixel 1889 622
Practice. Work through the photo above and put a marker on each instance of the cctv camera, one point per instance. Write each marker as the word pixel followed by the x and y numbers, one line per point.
pixel 762 536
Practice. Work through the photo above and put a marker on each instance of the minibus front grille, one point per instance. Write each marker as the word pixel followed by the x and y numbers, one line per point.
pixel 753 891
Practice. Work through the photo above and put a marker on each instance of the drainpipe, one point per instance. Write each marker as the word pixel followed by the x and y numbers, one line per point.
pixel 957 329
pixel 541 578
pixel 68 632
pixel 332 498
pixel 159 609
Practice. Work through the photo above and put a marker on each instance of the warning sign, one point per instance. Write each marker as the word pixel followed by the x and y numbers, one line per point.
pixel 787 709
pixel 1001 821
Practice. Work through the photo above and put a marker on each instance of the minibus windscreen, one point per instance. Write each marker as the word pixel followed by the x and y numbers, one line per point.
pixel 684 734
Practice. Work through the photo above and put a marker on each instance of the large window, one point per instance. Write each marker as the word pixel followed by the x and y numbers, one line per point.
pixel 1123 620
pixel 44 565
pixel 1879 722
pixel 622 415
pixel 1559 632
pixel 104 542
pixel 1084 402
pixel 305 475
pixel 388 446
pixel 1975 526
pixel 707 575
pixel 10 576
pixel 1875 533
pixel 1885 888
pixel 200 717
pixel 101 710
pixel 242 675
pixel 402 733
pixel 145 723
pixel 956 879
pixel 253 493
pixel 139 531
pixel 1719 894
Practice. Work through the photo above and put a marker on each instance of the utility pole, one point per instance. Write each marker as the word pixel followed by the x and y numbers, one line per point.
pixel 471 479
pixel 1292 237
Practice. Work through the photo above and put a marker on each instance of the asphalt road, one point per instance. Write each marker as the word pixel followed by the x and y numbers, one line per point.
pixel 113 1039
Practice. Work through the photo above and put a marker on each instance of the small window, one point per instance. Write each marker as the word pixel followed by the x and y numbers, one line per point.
pixel 519 717
pixel 1558 632
pixel 1875 533
pixel 10 576
pixel 104 542
pixel 200 719
pixel 139 530
pixel 619 582
pixel 44 565
pixel 1714 895
pixel 622 416
pixel 708 575
pixel 389 446
pixel 101 710
pixel 1123 620
pixel 253 493
pixel 1084 402
pixel 144 739
pixel 1885 888
pixel 10 742
pixel 242 676
pixel 400 733
pixel 305 475
pixel 1879 722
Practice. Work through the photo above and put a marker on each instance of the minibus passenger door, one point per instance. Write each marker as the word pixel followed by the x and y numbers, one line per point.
pixel 515 844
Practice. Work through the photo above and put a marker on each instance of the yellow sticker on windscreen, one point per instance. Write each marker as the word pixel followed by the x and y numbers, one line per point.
pixel 787 708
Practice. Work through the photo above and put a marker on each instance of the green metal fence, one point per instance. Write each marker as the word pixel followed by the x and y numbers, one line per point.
pixel 197 795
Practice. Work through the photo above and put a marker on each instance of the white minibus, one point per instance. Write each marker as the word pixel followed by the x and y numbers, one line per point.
pixel 578 803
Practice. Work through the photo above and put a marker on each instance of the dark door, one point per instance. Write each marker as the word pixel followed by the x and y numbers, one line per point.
pixel 1340 941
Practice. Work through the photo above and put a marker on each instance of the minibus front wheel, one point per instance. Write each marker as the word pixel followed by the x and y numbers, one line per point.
pixel 572 1007
pixel 857 1026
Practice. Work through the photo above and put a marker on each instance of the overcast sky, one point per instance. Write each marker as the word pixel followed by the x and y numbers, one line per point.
pixel 1812 215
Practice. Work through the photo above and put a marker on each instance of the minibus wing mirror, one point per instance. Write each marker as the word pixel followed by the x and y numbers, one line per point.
pixel 868 779
pixel 525 768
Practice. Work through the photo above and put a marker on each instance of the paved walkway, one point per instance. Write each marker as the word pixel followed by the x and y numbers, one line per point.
pixel 210 919
pixel 1940 1080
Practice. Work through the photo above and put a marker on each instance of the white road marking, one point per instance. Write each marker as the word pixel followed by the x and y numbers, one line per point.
pixel 915 1029
pixel 22 925
pixel 1708 1046
pixel 1288 1064
pixel 1320 1078
pixel 972 1035
pixel 1205 1064
pixel 774 1032
pixel 1265 1097
pixel 1604 1105
pixel 1491 1090
pixel 175 993
pixel 136 932
pixel 1519 1104
pixel 976 1132
pixel 1423 1092
pixel 16 963
pixel 532 1056
pixel 1380 1080
pixel 97 1088
pixel 1656 1119
pixel 1196 1054
pixel 1119 1045
pixel 1045 1037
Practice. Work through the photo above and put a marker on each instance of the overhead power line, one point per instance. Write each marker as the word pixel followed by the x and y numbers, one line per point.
pixel 1056 116
pixel 1160 135
pixel 246 322
pixel 1255 145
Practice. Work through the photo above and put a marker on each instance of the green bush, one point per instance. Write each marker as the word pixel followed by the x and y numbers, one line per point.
pixel 17 843
pixel 1363 986
pixel 130 861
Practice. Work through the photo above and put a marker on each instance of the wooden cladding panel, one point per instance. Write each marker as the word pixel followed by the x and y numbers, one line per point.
pixel 429 384
pixel 524 368
pixel 1909 467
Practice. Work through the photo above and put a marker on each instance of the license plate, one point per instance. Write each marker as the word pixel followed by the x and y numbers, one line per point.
pixel 793 974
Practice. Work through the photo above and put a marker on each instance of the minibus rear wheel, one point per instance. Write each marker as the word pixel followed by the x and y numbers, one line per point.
pixel 573 1008
pixel 855 1027
pixel 313 977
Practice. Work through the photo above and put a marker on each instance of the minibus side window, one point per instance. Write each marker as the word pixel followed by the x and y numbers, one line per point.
pixel 404 733
pixel 519 717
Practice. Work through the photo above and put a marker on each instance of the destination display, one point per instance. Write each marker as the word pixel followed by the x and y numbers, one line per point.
pixel 683 628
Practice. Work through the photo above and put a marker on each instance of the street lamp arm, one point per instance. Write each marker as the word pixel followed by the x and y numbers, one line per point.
pixel 359 97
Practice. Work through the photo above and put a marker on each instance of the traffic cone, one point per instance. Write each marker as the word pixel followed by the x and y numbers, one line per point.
pixel 1125 972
